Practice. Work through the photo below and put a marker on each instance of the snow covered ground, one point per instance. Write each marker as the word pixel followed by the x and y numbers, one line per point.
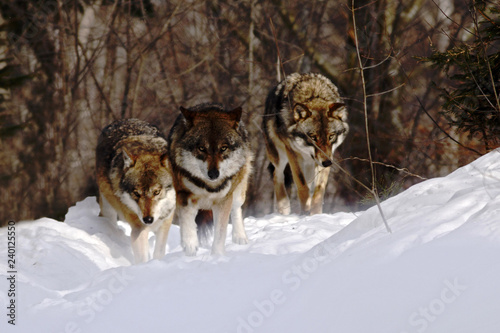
pixel 439 271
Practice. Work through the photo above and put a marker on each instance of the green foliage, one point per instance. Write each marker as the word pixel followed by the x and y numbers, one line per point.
pixel 472 103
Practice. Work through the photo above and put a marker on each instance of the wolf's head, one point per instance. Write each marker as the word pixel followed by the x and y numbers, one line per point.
pixel 146 181
pixel 319 129
pixel 213 146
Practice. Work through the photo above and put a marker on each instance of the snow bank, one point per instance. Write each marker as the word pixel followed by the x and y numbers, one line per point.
pixel 437 271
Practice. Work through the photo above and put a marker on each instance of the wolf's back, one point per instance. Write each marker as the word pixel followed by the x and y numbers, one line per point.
pixel 297 88
pixel 117 131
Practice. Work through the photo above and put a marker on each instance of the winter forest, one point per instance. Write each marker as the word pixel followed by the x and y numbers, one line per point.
pixel 428 97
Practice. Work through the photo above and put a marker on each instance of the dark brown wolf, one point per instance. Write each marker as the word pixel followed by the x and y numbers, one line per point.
pixel 135 182
pixel 211 161
pixel 304 122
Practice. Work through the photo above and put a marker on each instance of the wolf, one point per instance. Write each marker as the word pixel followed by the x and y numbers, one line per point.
pixel 211 162
pixel 135 182
pixel 304 122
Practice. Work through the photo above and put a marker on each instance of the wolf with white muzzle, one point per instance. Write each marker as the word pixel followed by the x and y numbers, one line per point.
pixel 211 160
pixel 304 122
pixel 135 182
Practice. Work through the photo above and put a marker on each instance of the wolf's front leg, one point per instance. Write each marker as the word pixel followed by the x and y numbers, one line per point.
pixel 319 190
pixel 239 234
pixel 299 178
pixel 187 224
pixel 161 237
pixel 221 219
pixel 140 245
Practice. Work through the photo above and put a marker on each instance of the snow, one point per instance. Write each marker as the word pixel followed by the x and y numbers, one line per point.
pixel 438 270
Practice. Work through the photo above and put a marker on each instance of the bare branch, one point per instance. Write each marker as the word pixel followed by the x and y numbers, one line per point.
pixel 449 18
pixel 403 170
pixel 385 92
pixel 363 84
pixel 280 62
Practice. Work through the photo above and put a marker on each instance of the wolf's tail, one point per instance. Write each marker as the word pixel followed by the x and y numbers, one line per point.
pixel 205 223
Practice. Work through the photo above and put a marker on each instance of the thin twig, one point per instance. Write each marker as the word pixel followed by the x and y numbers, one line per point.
pixel 280 62
pixel 441 129
pixel 380 63
pixel 363 83
pixel 453 21
pixel 432 118
pixel 404 170
pixel 385 92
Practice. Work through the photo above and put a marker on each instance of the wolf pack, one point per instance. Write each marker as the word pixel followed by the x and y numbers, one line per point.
pixel 199 173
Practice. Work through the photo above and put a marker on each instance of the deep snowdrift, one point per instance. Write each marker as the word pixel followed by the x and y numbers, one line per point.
pixel 437 272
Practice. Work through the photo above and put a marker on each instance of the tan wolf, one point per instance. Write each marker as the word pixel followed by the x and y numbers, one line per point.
pixel 135 182
pixel 211 160
pixel 304 122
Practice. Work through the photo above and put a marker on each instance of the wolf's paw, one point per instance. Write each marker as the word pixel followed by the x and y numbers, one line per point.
pixel 284 210
pixel 218 251
pixel 240 239
pixel 314 211
pixel 190 249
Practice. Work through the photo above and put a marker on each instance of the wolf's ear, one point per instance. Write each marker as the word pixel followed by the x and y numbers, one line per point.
pixel 301 112
pixel 164 160
pixel 188 114
pixel 128 159
pixel 332 108
pixel 235 115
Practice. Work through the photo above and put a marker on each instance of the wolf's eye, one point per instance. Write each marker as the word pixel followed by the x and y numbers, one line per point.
pixel 223 148
pixel 202 149
pixel 136 194
pixel 313 137
pixel 156 192
pixel 333 137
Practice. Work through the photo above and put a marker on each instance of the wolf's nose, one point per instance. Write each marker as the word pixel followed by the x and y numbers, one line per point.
pixel 148 219
pixel 213 174
pixel 326 163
